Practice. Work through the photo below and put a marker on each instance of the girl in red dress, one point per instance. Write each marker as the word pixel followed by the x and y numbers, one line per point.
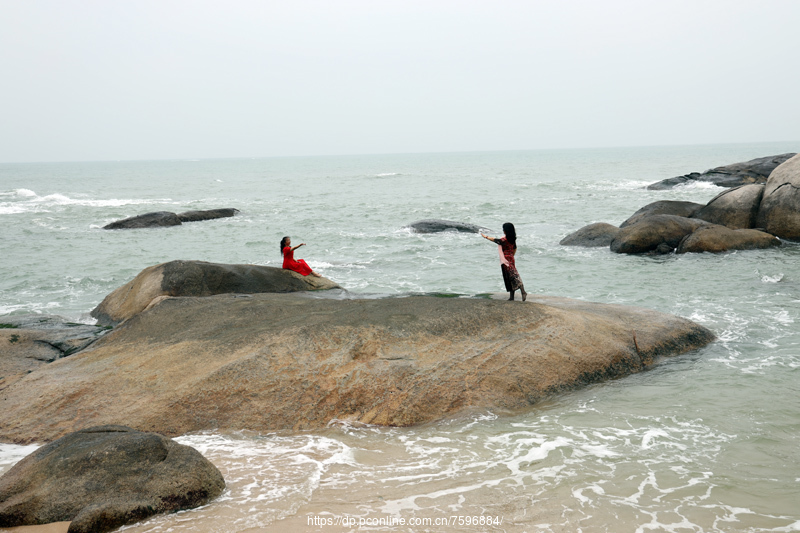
pixel 289 262
pixel 507 249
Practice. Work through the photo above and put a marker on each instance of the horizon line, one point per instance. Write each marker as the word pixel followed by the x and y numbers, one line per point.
pixel 368 154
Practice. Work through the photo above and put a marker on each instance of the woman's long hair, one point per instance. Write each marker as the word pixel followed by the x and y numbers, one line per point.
pixel 283 242
pixel 511 233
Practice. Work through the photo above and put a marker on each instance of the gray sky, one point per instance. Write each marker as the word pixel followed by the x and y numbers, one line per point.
pixel 161 79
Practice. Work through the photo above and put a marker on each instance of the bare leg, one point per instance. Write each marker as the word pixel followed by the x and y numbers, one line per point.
pixel 522 291
pixel 313 273
pixel 510 296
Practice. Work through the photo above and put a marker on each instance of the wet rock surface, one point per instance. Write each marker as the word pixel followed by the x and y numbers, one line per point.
pixel 717 239
pixel 594 235
pixel 651 232
pixel 30 341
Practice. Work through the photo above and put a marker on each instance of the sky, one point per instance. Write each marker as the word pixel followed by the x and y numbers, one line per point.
pixel 87 80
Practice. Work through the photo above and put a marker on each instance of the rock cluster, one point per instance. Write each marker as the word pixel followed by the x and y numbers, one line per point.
pixel 102 478
pixel 746 217
pixel 753 171
pixel 161 219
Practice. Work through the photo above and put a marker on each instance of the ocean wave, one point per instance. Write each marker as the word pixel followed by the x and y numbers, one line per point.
pixel 6 209
pixel 608 185
pixel 697 184
pixel 24 200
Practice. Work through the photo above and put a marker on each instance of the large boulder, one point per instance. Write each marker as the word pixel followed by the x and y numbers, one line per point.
pixel 657 233
pixel 437 226
pixel 105 477
pixel 779 212
pixel 593 235
pixel 735 208
pixel 753 171
pixel 718 239
pixel 158 219
pixel 209 214
pixel 199 278
pixel 663 207
pixel 291 361
pixel 30 341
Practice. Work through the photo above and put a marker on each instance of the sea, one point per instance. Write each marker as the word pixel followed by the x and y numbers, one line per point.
pixel 702 442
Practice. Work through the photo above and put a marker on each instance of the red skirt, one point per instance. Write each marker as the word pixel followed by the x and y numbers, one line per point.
pixel 289 263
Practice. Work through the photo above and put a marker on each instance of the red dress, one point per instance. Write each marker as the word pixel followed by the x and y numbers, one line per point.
pixel 301 267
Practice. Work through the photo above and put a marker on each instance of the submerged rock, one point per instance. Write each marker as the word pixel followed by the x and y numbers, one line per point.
pixel 199 278
pixel 437 226
pixel 649 233
pixel 753 171
pixel 291 361
pixel 663 207
pixel 162 219
pixel 102 478
pixel 734 208
pixel 159 219
pixel 593 235
pixel 716 239
pixel 779 211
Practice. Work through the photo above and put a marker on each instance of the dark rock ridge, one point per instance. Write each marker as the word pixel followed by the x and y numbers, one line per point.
pixel 199 278
pixel 210 214
pixel 753 171
pixel 30 341
pixel 161 219
pixel 437 226
pixel 291 361
pixel 102 478
pixel 661 226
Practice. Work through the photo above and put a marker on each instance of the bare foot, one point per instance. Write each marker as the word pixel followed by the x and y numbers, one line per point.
pixel 524 295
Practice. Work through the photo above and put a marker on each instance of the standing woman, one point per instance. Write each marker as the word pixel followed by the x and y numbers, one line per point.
pixel 508 247
pixel 289 263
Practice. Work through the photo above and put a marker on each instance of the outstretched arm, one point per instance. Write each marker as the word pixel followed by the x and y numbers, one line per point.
pixel 489 238
pixel 298 246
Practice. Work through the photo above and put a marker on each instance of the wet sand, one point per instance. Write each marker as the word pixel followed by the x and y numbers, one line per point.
pixel 55 527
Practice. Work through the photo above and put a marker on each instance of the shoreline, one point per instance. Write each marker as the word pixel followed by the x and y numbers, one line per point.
pixel 53 527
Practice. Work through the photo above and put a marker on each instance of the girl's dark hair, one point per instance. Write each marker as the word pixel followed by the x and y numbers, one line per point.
pixel 283 243
pixel 511 233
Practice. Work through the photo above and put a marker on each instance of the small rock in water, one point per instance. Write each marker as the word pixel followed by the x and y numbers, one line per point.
pixel 104 477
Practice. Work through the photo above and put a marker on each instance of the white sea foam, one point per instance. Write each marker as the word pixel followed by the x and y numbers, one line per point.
pixel 11 454
pixel 697 184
